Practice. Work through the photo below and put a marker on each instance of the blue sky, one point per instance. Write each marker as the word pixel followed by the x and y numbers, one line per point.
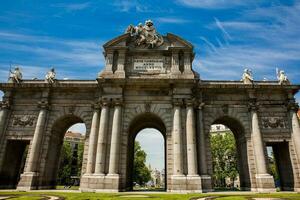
pixel 228 35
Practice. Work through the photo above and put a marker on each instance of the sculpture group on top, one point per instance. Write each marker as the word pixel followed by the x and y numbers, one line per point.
pixel 145 35
pixel 282 78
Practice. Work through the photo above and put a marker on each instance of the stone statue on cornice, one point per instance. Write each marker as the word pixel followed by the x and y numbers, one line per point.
pixel 145 35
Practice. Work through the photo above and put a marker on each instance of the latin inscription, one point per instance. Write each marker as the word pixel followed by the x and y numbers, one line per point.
pixel 148 64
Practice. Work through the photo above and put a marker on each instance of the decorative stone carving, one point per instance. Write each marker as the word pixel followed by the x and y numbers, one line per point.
pixel 282 78
pixel 24 120
pixel 145 35
pixel 15 76
pixel 247 77
pixel 50 76
pixel 4 104
pixel 273 122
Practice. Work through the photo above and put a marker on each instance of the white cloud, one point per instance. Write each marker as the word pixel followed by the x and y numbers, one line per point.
pixel 72 6
pixel 45 51
pixel 213 4
pixel 171 20
pixel 78 128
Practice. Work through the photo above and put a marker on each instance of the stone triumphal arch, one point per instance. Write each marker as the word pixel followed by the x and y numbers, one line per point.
pixel 147 82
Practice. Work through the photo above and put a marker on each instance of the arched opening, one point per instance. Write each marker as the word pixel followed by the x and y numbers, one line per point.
pixel 228 145
pixel 1 95
pixel 280 165
pixel 149 132
pixel 64 157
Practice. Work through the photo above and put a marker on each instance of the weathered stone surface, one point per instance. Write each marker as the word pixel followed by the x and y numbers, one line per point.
pixel 148 88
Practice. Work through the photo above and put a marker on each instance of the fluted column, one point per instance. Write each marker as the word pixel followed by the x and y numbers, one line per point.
pixel 115 140
pixel 177 140
pixel 202 142
pixel 295 127
pixel 32 162
pixel 258 143
pixel 102 140
pixel 4 107
pixel 191 140
pixel 175 63
pixel 92 141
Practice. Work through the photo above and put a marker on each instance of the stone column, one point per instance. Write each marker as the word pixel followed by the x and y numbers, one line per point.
pixel 101 146
pixel 36 142
pixel 293 108
pixel 92 141
pixel 115 141
pixel 4 107
pixel 4 110
pixel 177 141
pixel 202 142
pixel 264 180
pixel 191 140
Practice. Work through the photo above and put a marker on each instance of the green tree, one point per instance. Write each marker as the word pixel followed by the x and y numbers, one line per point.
pixel 224 156
pixel 141 173
pixel 65 165
pixel 80 157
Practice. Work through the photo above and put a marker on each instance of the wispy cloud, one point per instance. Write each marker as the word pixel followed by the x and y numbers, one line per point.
pixel 68 55
pixel 139 6
pixel 255 43
pixel 171 20
pixel 214 4
pixel 72 6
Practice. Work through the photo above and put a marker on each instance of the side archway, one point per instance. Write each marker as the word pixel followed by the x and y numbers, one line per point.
pixel 239 132
pixel 56 140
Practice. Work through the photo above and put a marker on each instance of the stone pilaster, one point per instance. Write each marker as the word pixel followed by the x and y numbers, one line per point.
pixel 120 72
pixel 115 140
pixel 93 137
pixel 109 62
pixel 205 178
pixel 264 180
pixel 29 179
pixel 175 63
pixel 188 73
pixel 102 140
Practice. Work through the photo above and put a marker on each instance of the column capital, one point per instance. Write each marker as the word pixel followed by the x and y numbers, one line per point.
pixel 292 106
pixel 201 105
pixel 253 105
pixel 117 102
pixel 177 102
pixel 96 106
pixel 190 102
pixel 4 105
pixel 43 105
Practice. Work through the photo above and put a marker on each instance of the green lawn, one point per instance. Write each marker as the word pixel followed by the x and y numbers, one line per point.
pixel 142 196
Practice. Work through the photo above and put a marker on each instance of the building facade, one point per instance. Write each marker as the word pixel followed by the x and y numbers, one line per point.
pixel 148 82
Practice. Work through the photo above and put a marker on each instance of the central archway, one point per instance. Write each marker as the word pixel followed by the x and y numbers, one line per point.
pixel 143 121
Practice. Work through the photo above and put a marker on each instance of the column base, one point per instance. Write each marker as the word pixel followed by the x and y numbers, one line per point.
pixel 28 181
pixel 206 183
pixel 186 184
pixel 265 183
pixel 99 183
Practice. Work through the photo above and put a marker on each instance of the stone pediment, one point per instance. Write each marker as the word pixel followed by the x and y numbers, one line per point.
pixel 144 53
pixel 171 41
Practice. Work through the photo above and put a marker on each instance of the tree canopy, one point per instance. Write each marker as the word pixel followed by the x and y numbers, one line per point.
pixel 141 173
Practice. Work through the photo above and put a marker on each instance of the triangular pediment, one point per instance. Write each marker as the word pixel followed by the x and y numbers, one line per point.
pixel 170 41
